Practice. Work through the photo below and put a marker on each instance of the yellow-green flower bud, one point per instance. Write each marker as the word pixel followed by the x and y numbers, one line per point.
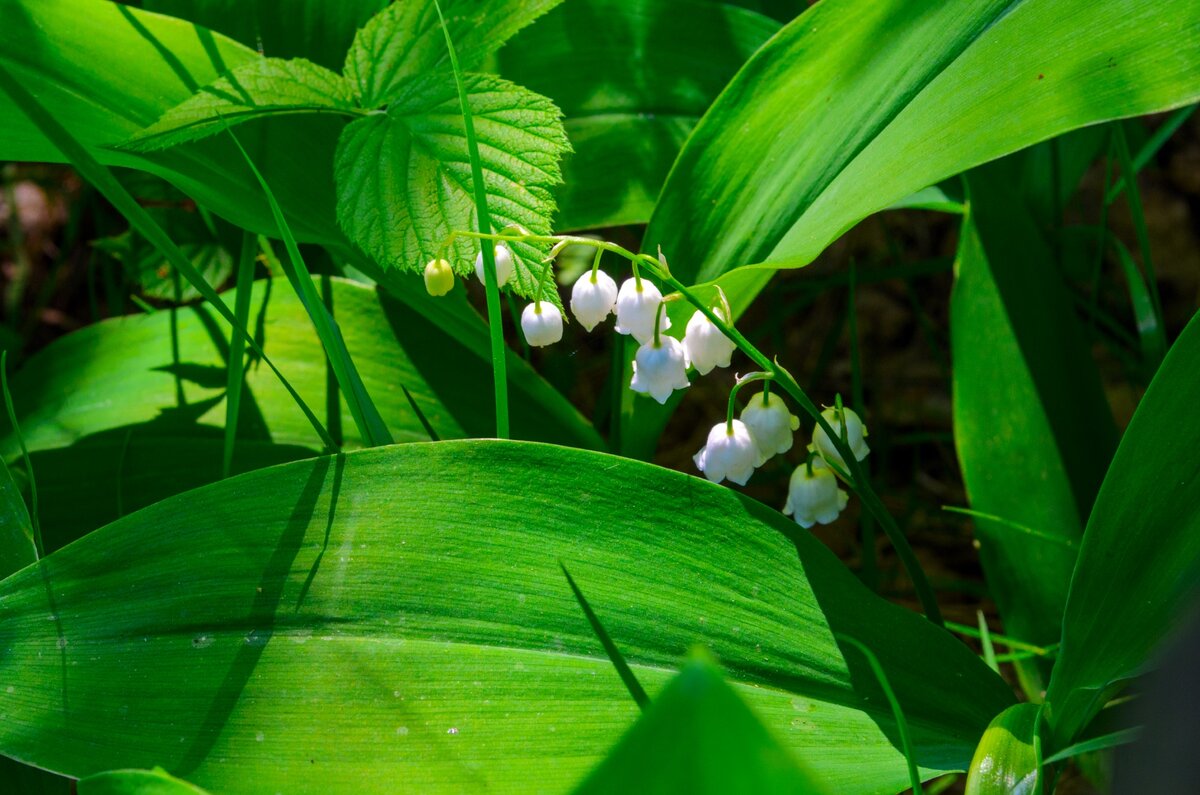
pixel 439 277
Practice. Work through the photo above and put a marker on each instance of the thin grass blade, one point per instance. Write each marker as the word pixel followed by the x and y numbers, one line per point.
pixel 614 654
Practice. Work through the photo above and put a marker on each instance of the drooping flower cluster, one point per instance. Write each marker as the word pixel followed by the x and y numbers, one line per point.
pixel 734 448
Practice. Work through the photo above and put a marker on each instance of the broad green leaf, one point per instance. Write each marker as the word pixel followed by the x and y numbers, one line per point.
pixel 260 87
pixel 859 103
pixel 318 30
pixel 632 82
pixel 1005 762
pixel 1140 558
pixel 698 736
pixel 399 614
pixel 1033 428
pixel 136 782
pixel 404 183
pixel 405 40
pixel 129 411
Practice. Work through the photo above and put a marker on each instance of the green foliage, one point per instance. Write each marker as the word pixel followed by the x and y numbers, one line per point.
pixel 104 446
pixel 1032 424
pixel 136 782
pixel 1005 762
pixel 699 737
pixel 1145 535
pixel 306 621
pixel 260 87
pixel 405 183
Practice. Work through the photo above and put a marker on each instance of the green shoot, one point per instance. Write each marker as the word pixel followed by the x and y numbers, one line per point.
pixel 495 319
pixel 985 639
pixel 1139 217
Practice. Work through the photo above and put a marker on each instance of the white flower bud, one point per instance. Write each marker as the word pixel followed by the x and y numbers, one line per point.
pixel 814 498
pixel 658 370
pixel 636 310
pixel 730 453
pixel 542 323
pixel 707 345
pixel 504 265
pixel 593 298
pixel 770 423
pixel 855 434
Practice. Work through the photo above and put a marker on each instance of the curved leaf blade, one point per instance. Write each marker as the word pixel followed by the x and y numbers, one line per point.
pixel 811 137
pixel 351 597
pixel 1144 533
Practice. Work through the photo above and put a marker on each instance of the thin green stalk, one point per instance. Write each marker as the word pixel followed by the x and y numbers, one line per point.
pixel 985 638
pixel 1069 543
pixel 869 572
pixel 737 387
pixel 492 288
pixel 1139 216
pixel 1122 737
pixel 914 776
pixel 1003 640
pixel 1150 149
pixel 614 654
pixel 237 348
pixel 108 186
pixel 371 426
pixel 787 382
pixel 38 547
pixel 1151 335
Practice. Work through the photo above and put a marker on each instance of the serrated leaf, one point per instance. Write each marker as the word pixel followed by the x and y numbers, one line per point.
pixel 264 86
pixel 405 40
pixel 404 182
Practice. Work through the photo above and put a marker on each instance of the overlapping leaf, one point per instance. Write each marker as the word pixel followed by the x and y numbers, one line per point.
pixel 399 614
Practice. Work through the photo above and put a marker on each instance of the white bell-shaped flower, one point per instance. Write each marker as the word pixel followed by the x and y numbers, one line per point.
pixel 637 308
pixel 855 433
pixel 814 496
pixel 707 345
pixel 730 454
pixel 542 323
pixel 504 265
pixel 593 298
pixel 770 423
pixel 660 368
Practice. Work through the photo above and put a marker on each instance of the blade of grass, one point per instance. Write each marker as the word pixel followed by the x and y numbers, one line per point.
pixel 1003 640
pixel 237 349
pixel 1139 217
pixel 1020 528
pixel 1122 737
pixel 38 548
pixel 495 319
pixel 614 654
pixel 1150 149
pixel 985 639
pixel 1150 331
pixel 914 776
pixel 869 573
pixel 108 186
pixel 371 426
pixel 433 435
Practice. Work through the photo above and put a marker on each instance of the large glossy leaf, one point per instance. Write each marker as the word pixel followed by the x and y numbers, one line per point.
pixel 131 410
pixel 813 135
pixel 1139 564
pixel 698 737
pixel 1032 425
pixel 632 82
pixel 399 614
